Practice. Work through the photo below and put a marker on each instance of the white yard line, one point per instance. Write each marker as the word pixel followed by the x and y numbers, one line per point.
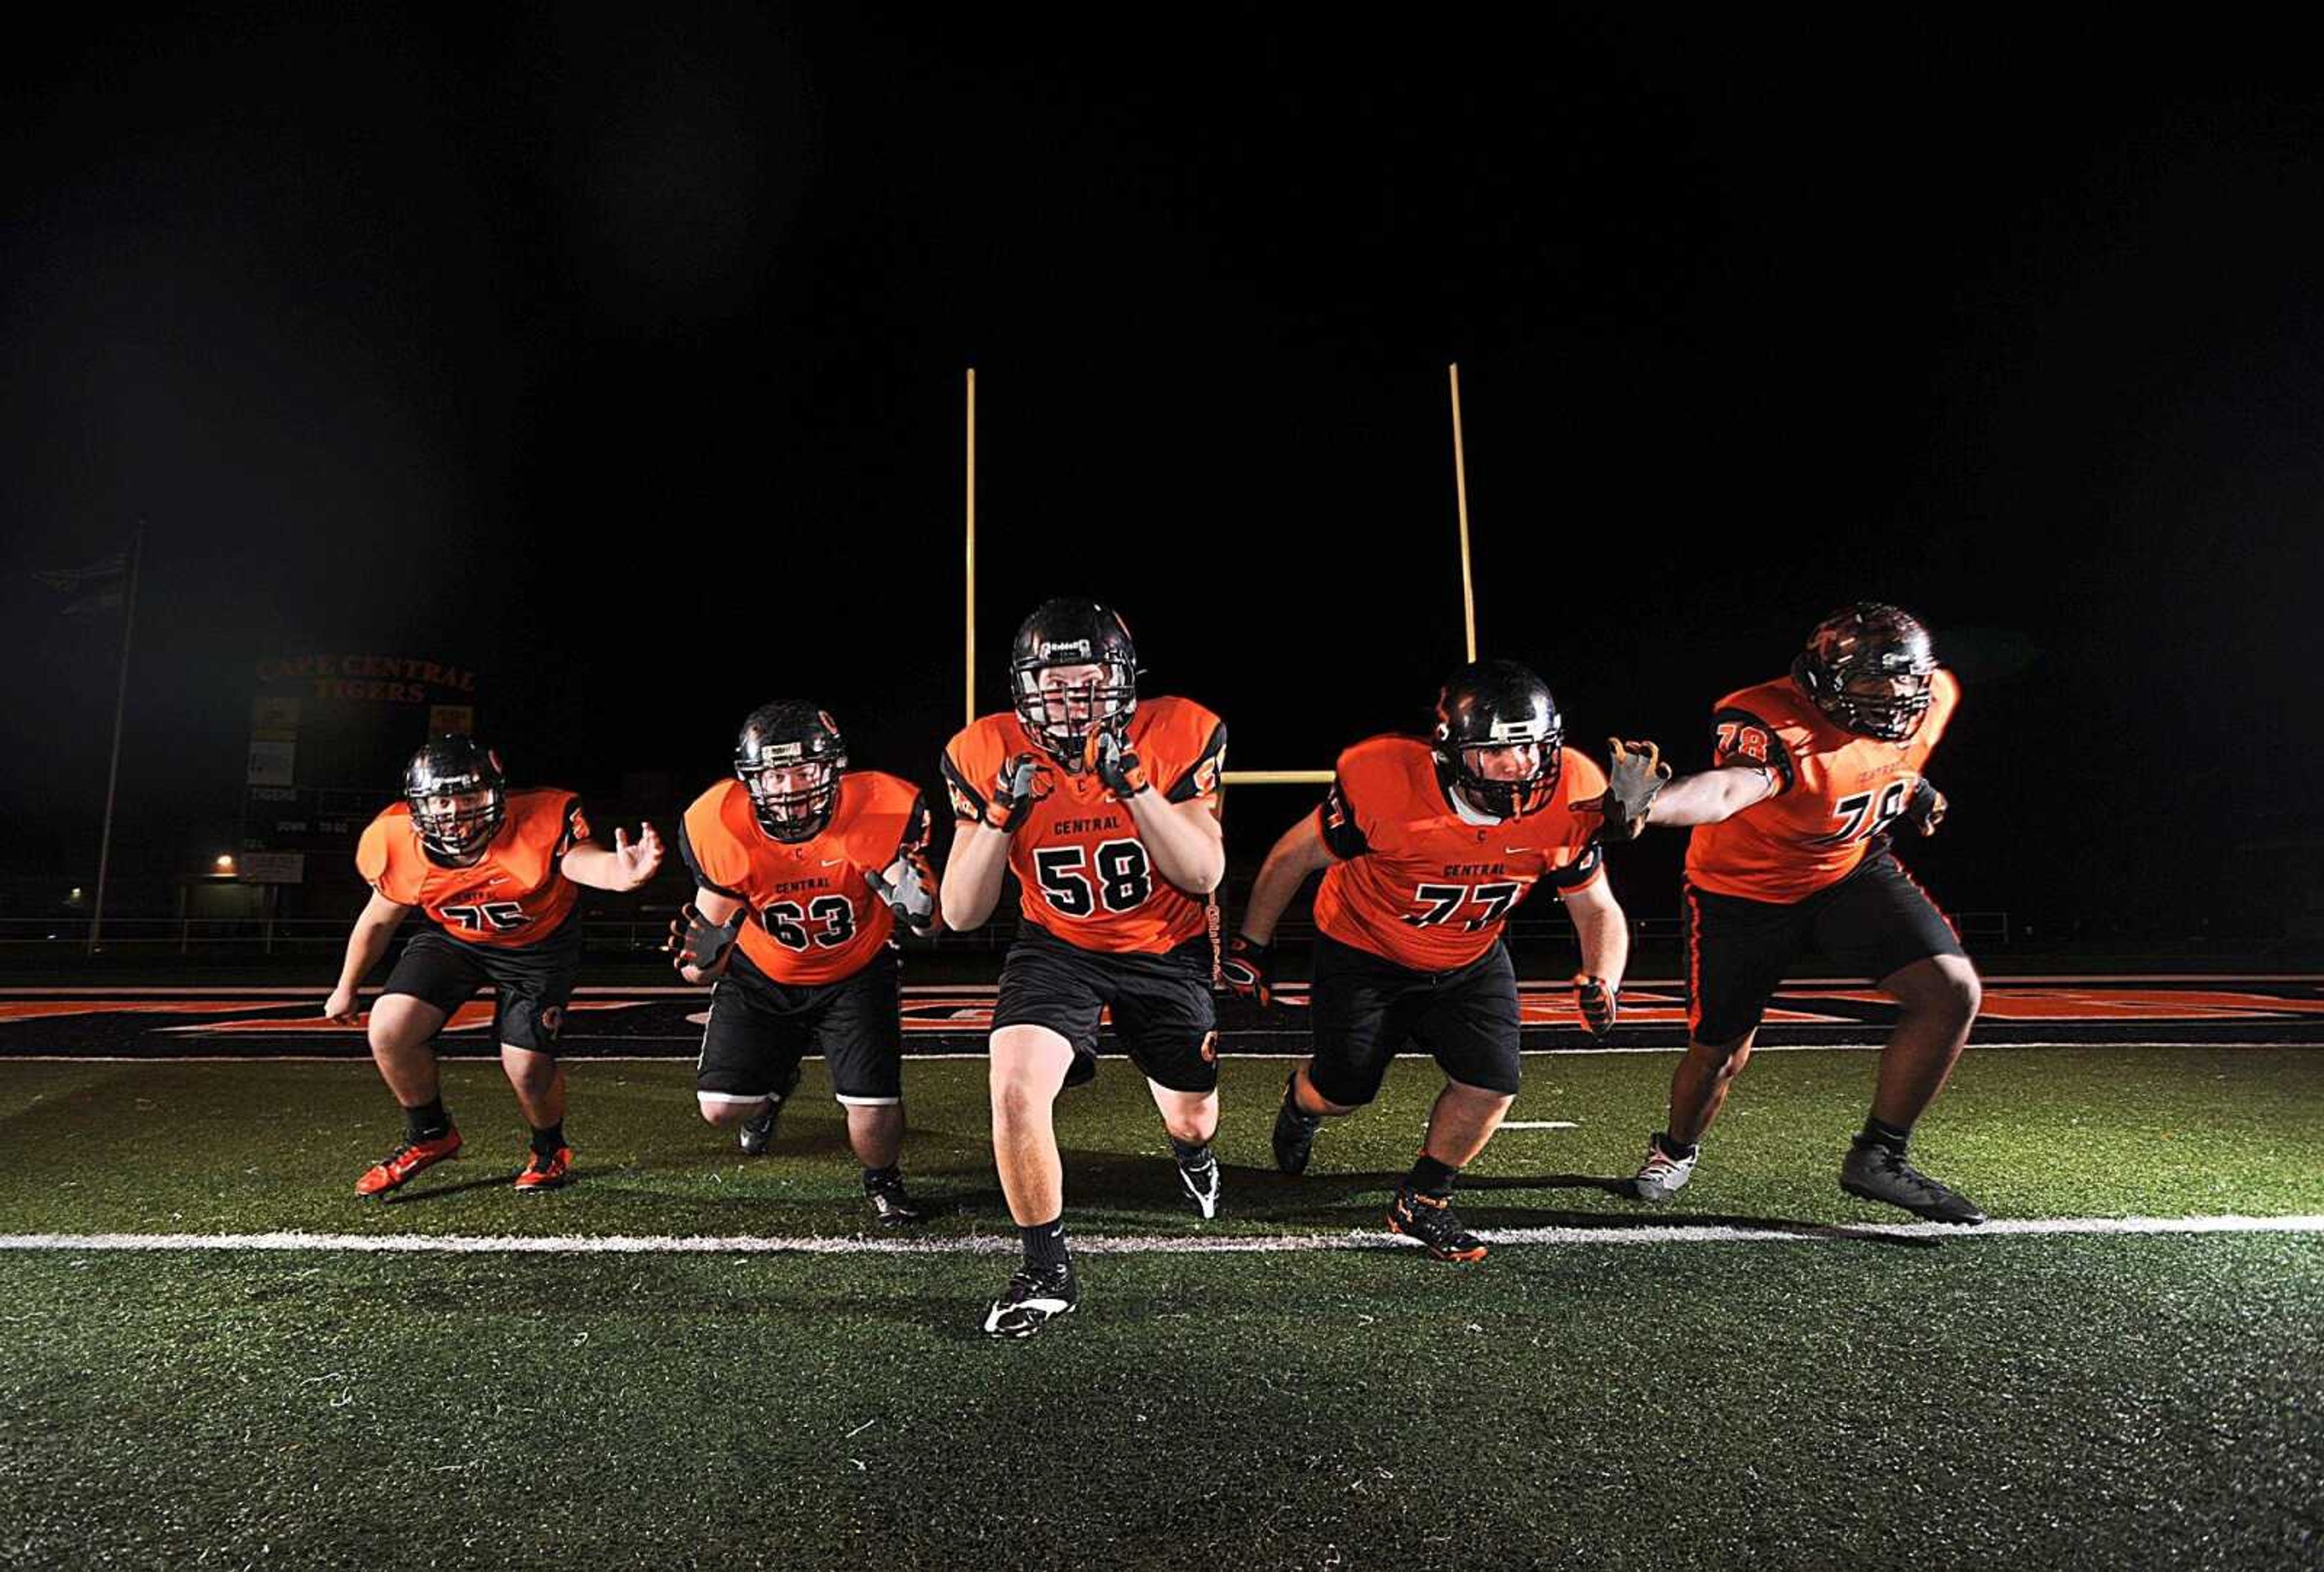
pixel 1615 1232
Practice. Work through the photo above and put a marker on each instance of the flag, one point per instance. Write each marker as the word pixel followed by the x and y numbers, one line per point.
pixel 98 585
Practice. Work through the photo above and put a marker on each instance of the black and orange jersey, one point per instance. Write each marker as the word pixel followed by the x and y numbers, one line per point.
pixel 514 894
pixel 813 917
pixel 1082 871
pixel 1836 792
pixel 1426 886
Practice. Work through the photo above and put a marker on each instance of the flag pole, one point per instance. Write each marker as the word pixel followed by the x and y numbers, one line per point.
pixel 113 771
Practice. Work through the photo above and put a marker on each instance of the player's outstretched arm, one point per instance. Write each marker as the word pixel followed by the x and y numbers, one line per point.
pixel 1298 852
pixel 1712 796
pixel 625 867
pixel 379 918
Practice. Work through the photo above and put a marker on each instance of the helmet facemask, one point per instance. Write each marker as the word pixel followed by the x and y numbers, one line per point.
pixel 789 759
pixel 1489 706
pixel 1871 669
pixel 1060 704
pixel 457 804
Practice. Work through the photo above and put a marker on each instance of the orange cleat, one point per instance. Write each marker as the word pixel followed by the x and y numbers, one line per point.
pixel 407 1160
pixel 546 1171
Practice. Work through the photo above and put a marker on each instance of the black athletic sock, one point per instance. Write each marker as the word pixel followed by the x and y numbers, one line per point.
pixel 1884 1135
pixel 547 1141
pixel 1680 1150
pixel 1190 1154
pixel 1431 1177
pixel 1045 1244
pixel 428 1121
pixel 882 1178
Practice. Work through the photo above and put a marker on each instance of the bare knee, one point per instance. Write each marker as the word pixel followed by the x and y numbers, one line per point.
pixel 1943 990
pixel 529 1073
pixel 1195 1122
pixel 1721 1061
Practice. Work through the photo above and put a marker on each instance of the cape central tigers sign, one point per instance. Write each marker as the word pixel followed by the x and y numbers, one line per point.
pixel 377 678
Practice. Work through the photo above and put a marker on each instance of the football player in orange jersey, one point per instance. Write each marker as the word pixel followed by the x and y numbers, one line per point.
pixel 1426 846
pixel 496 872
pixel 802 869
pixel 1105 807
pixel 1811 776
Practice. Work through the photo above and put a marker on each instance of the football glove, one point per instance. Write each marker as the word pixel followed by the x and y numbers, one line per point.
pixel 1596 1003
pixel 1021 784
pixel 1115 764
pixel 1925 809
pixel 901 886
pixel 1244 969
pixel 698 942
pixel 1634 775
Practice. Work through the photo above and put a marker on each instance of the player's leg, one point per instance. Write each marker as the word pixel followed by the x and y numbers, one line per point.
pixel 748 1065
pixel 1471 1024
pixel 1045 1035
pixel 1349 1003
pixel 430 980
pixel 1885 925
pixel 532 987
pixel 859 1032
pixel 1736 956
pixel 1164 1015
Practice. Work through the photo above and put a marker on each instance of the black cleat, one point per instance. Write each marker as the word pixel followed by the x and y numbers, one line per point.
pixel 892 1208
pixel 1294 1132
pixel 759 1133
pixel 1200 1178
pixel 1434 1223
pixel 1032 1300
pixel 1875 1173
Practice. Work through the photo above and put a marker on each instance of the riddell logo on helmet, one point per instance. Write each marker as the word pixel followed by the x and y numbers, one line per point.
pixel 1066 647
pixel 1518 731
pixel 782 751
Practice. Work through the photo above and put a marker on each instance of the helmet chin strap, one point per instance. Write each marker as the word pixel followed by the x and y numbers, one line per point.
pixel 1469 811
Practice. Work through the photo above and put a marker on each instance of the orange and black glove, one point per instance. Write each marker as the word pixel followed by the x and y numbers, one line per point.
pixel 1115 764
pixel 1596 1003
pixel 1925 809
pixel 1021 784
pixel 1245 967
pixel 697 941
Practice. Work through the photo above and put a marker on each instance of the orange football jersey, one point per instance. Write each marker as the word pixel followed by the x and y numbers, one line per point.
pixel 1082 871
pixel 1420 885
pixel 514 894
pixel 1836 792
pixel 813 917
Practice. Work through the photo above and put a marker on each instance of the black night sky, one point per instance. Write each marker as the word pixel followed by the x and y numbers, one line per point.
pixel 619 357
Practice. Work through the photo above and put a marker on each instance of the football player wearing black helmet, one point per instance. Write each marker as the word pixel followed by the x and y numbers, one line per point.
pixel 1426 847
pixel 495 871
pixel 802 869
pixel 1105 807
pixel 1793 829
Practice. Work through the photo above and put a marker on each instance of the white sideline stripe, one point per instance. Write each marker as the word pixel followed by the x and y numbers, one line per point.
pixel 1539 1124
pixel 1616 1231
pixel 154 1058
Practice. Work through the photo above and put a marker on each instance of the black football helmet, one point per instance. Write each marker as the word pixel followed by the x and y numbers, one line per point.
pixel 445 769
pixel 1074 632
pixel 790 733
pixel 1499 704
pixel 1869 642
